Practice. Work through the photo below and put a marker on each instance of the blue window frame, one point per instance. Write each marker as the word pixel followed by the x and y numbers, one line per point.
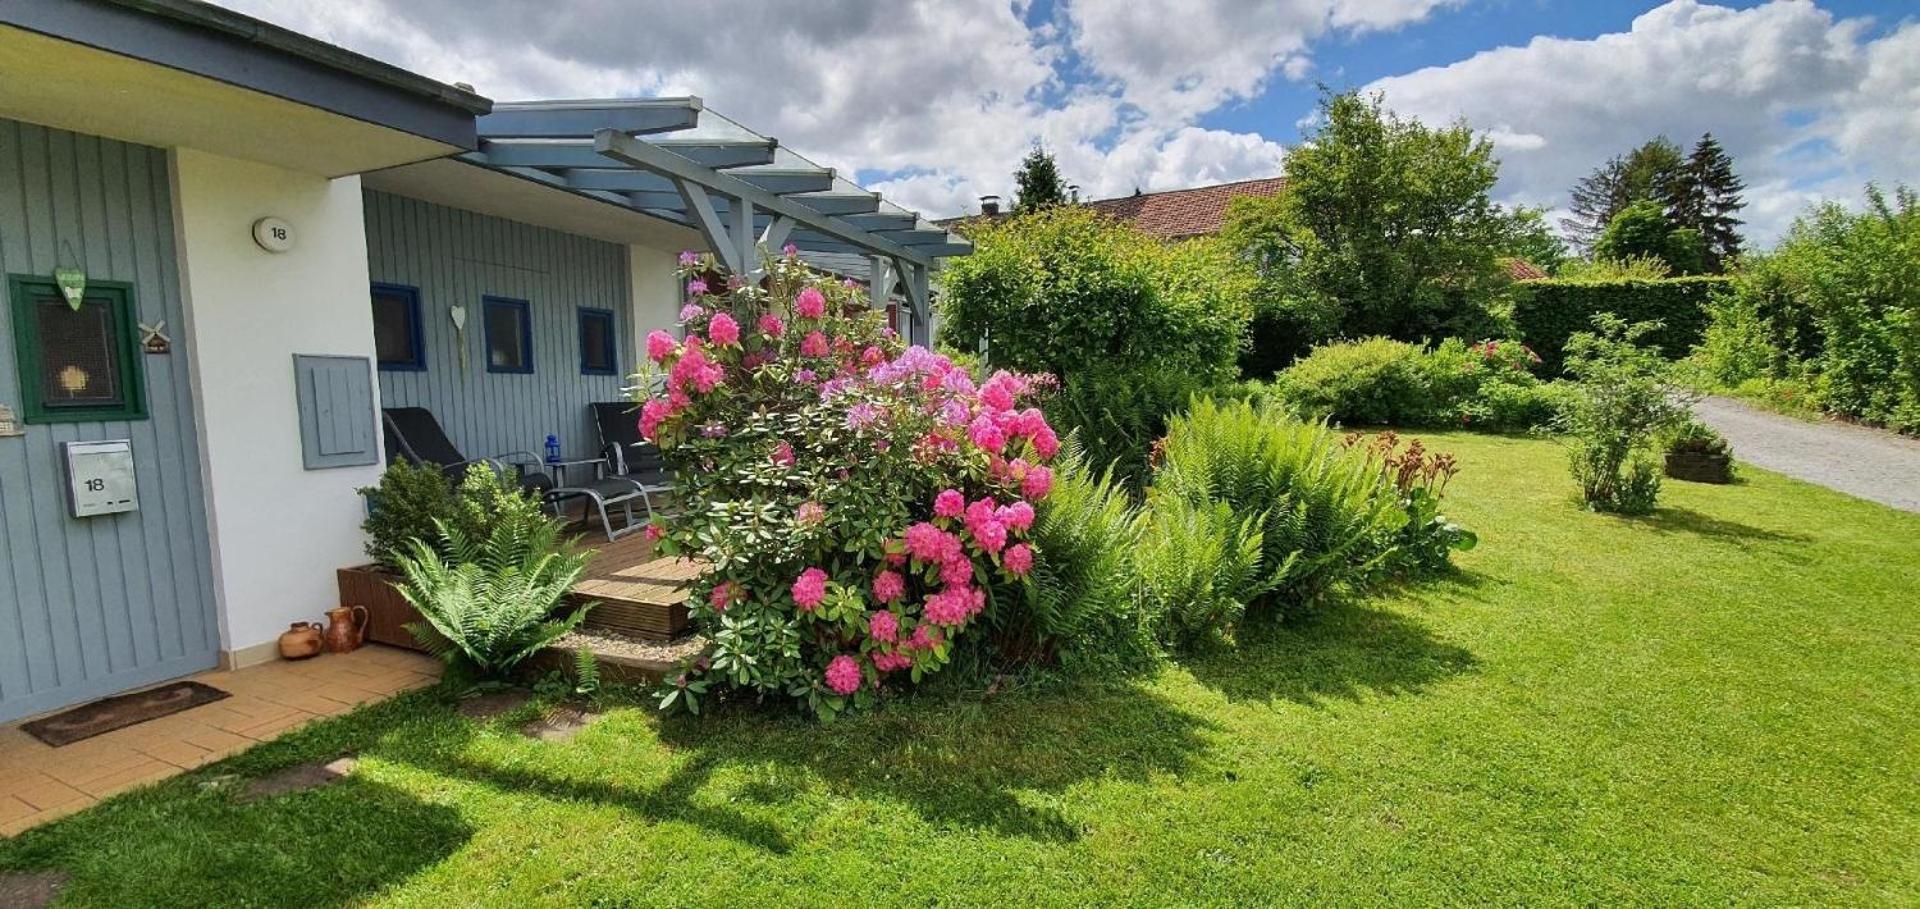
pixel 509 334
pixel 399 339
pixel 598 352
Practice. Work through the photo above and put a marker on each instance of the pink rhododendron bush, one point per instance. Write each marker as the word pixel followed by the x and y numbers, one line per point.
pixel 864 505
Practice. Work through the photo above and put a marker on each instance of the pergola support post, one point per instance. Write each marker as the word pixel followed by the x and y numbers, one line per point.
pixel 913 276
pixel 709 223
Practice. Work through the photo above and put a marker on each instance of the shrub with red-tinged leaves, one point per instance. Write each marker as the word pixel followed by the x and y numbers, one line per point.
pixel 859 501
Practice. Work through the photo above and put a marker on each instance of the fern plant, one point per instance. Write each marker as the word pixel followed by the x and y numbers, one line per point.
pixel 1325 515
pixel 1200 566
pixel 491 601
pixel 1081 603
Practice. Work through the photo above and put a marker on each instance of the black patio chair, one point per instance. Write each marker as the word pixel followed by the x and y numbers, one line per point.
pixel 626 453
pixel 415 435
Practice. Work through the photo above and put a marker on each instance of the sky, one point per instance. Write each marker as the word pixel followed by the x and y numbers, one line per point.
pixel 934 102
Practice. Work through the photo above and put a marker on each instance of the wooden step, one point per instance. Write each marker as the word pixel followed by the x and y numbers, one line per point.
pixel 639 594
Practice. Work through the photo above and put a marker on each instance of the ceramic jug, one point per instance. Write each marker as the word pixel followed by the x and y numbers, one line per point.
pixel 346 628
pixel 300 641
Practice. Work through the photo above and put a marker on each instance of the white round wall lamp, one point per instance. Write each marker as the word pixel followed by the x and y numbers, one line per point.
pixel 273 234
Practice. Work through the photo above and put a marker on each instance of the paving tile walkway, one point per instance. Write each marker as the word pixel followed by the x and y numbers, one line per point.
pixel 39 783
pixel 1869 463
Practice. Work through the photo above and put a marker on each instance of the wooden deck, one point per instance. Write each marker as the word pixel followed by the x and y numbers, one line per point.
pixel 639 593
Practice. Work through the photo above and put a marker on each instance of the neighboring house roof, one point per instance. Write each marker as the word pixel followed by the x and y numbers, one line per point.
pixel 1522 270
pixel 1171 214
pixel 1180 213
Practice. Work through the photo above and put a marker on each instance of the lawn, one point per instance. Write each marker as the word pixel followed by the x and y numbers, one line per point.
pixel 1715 705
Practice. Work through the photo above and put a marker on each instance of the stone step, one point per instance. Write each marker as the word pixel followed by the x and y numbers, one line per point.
pixel 623 659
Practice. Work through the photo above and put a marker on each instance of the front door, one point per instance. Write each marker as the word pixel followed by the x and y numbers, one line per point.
pixel 121 596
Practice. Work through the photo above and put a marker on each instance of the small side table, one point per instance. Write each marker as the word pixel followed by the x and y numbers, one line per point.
pixel 560 469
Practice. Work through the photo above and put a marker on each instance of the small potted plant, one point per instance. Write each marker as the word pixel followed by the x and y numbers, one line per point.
pixel 1697 453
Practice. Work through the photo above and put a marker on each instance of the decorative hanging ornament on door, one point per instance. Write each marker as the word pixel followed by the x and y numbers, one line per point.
pixel 72 280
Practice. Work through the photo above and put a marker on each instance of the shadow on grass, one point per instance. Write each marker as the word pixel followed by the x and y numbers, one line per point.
pixel 959 763
pixel 181 845
pixel 1340 653
pixel 672 800
pixel 1668 519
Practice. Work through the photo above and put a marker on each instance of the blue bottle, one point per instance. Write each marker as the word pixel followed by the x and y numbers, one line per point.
pixel 553 449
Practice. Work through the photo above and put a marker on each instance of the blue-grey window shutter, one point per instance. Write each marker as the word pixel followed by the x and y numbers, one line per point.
pixel 335 397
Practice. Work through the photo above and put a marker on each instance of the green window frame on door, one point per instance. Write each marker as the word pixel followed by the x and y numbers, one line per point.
pixel 41 403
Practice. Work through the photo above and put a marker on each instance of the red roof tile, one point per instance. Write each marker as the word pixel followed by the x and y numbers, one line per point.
pixel 1522 270
pixel 1179 213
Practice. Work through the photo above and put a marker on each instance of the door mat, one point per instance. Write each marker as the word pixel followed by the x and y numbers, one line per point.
pixel 121 711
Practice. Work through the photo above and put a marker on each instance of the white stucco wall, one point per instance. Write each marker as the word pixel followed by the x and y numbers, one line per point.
pixel 656 292
pixel 279 530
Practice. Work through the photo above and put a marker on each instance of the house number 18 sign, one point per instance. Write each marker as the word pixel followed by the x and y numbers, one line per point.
pixel 100 477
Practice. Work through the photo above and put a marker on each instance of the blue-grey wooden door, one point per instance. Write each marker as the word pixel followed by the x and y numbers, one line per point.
pixel 94 606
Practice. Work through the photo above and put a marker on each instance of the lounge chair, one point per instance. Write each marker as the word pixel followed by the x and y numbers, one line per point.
pixel 415 435
pixel 626 453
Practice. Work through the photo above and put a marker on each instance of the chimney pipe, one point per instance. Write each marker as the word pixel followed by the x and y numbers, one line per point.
pixel 989 205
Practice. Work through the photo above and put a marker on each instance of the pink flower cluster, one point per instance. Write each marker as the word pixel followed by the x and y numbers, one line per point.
pixel 809 589
pixel 911 408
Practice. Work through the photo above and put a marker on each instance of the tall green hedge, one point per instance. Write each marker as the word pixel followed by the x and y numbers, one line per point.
pixel 1548 312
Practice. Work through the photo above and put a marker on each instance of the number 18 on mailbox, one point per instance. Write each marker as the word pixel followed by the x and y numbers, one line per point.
pixel 100 477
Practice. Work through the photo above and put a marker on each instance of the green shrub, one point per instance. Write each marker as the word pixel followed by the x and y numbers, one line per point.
pixel 1327 518
pixel 1548 312
pixel 1487 385
pixel 1082 602
pixel 1119 411
pixel 412 500
pixel 404 507
pixel 1691 435
pixel 1200 565
pixel 1371 382
pixel 1059 290
pixel 1626 400
pixel 489 601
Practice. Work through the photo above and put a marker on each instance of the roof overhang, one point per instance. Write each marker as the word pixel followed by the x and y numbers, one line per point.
pixel 184 73
pixel 671 159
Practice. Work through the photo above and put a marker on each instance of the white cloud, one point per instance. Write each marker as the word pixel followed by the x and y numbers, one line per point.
pixel 1177 59
pixel 1810 106
pixel 947 93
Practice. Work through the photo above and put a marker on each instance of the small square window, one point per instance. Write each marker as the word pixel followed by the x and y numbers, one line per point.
pixel 77 365
pixel 398 340
pixel 597 349
pixel 509 335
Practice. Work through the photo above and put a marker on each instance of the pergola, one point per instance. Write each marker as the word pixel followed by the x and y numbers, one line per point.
pixel 670 158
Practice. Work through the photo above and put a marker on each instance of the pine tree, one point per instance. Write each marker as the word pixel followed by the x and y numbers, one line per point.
pixel 1038 183
pixel 1705 198
pixel 1649 172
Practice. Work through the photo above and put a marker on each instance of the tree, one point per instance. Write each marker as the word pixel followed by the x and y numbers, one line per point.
pixel 1529 239
pixel 1386 223
pixel 1066 289
pixel 1038 184
pixel 1646 173
pixel 1704 197
pixel 1642 229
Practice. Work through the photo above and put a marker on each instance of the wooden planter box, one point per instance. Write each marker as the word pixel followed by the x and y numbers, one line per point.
pixel 387 611
pixel 1700 467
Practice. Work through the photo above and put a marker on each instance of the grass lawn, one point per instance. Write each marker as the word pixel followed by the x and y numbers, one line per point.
pixel 1716 705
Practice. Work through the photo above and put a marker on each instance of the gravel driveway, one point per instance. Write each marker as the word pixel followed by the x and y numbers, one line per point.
pixel 1868 463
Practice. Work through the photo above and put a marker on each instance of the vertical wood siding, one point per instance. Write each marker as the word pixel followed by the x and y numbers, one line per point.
pixel 93 606
pixel 459 257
